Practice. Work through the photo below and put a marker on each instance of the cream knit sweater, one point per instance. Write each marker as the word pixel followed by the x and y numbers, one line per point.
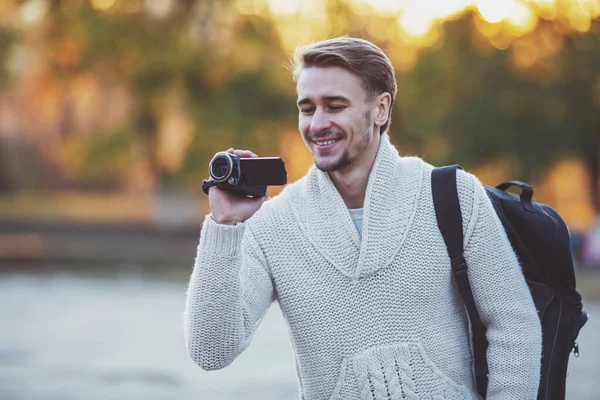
pixel 377 318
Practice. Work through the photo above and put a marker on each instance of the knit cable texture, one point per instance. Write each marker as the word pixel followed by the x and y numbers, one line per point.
pixel 377 318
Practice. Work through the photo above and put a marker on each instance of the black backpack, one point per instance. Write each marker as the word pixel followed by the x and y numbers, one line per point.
pixel 541 241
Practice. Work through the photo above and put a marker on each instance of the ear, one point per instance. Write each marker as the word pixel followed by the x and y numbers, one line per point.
pixel 382 105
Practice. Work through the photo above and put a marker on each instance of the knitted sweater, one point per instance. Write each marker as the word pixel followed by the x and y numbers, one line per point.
pixel 377 318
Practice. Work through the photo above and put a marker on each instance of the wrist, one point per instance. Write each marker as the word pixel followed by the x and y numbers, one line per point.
pixel 224 221
pixel 224 240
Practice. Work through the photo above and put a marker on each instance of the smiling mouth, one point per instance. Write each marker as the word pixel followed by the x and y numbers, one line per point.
pixel 325 142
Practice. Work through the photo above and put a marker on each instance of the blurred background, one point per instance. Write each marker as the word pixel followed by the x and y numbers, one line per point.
pixel 111 109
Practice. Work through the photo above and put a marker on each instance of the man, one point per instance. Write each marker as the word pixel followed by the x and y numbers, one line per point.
pixel 353 254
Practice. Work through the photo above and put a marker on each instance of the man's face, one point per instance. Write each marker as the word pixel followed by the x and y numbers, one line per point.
pixel 336 117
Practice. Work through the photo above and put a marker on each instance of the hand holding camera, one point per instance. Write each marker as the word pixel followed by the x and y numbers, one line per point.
pixel 240 179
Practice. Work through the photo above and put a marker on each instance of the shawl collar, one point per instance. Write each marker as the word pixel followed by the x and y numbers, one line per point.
pixel 390 204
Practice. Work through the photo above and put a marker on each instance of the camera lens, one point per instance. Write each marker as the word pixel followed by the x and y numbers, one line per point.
pixel 220 167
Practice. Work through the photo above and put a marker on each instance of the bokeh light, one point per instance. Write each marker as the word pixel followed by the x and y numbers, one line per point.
pixel 495 10
pixel 33 11
pixel 102 4
pixel 287 7
pixel 416 20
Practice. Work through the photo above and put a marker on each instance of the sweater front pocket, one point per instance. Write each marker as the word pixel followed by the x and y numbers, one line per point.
pixel 399 371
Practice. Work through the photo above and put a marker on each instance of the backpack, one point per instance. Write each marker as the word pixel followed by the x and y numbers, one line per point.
pixel 540 239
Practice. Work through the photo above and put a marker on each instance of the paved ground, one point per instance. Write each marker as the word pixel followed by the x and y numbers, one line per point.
pixel 66 337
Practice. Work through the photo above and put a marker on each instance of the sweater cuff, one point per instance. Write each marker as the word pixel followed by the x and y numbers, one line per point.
pixel 225 240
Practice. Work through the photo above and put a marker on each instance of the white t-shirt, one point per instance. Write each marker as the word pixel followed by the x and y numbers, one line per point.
pixel 357 216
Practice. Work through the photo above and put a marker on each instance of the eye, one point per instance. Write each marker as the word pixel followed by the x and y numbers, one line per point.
pixel 307 110
pixel 337 107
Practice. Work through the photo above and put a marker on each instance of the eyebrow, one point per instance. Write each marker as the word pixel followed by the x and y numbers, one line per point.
pixel 306 100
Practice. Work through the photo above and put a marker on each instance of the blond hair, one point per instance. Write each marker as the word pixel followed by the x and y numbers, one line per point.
pixel 358 56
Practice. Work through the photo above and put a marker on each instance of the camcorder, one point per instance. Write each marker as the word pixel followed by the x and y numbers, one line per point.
pixel 245 176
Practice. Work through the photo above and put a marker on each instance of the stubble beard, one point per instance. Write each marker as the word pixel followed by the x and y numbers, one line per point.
pixel 342 162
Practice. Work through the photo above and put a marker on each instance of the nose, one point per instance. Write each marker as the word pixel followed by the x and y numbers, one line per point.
pixel 320 121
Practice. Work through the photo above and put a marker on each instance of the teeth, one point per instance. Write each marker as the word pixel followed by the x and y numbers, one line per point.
pixel 326 143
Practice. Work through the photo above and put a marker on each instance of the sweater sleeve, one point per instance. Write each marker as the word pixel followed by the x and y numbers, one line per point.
pixel 229 293
pixel 504 303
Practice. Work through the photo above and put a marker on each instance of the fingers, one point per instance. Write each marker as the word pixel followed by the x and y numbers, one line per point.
pixel 242 153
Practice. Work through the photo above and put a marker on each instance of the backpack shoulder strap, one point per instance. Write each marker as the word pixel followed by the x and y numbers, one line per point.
pixel 449 218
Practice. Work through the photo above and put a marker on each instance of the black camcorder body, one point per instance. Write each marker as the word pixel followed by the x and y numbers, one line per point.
pixel 245 176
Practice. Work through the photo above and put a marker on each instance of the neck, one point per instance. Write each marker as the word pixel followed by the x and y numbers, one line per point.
pixel 351 182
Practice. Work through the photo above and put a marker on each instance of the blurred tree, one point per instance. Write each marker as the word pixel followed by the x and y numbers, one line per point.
pixel 190 77
pixel 220 64
pixel 481 108
pixel 579 88
pixel 7 39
